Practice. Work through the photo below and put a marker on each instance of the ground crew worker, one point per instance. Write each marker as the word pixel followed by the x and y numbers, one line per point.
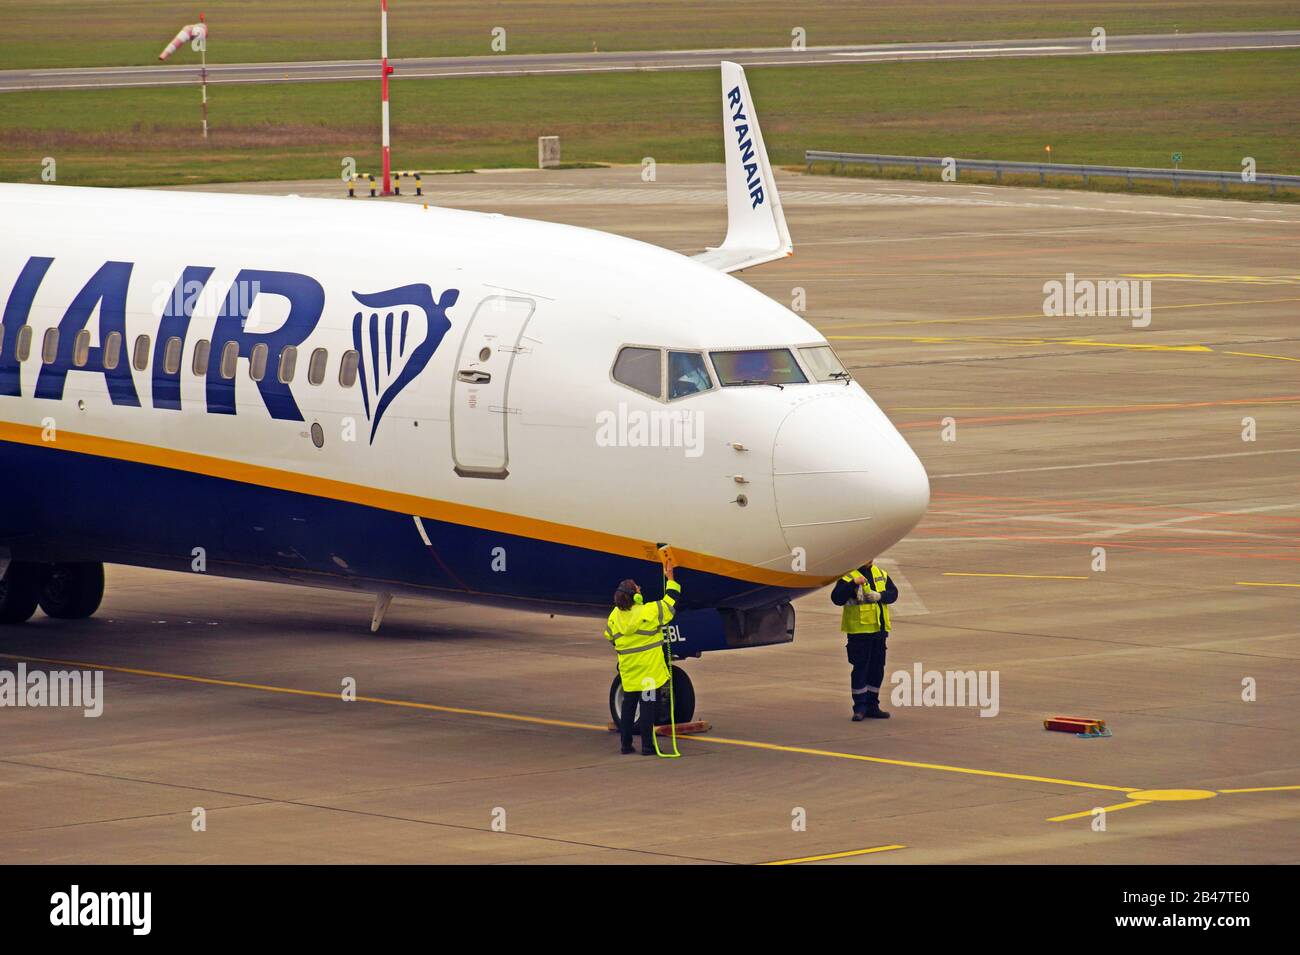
pixel 636 629
pixel 865 594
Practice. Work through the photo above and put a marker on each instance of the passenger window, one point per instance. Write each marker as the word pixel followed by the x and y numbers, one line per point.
pixel 202 352
pixel 141 357
pixel 316 367
pixel 765 366
pixel 823 364
pixel 257 362
pixel 229 360
pixel 687 374
pixel 23 348
pixel 348 368
pixel 288 360
pixel 640 368
pixel 112 350
pixel 81 348
pixel 50 346
pixel 172 356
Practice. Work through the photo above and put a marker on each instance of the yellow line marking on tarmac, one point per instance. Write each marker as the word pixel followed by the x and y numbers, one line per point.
pixel 1173 795
pixel 1040 315
pixel 1219 279
pixel 947 408
pixel 1247 354
pixel 1089 343
pixel 914 765
pixel 1261 583
pixel 319 694
pixel 988 340
pixel 492 714
pixel 1144 797
pixel 833 855
pixel 1018 576
pixel 1088 812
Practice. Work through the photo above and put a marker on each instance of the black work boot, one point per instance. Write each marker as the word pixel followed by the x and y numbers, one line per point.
pixel 874 712
pixel 626 748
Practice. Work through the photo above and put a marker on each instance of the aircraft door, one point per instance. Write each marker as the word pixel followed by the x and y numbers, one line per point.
pixel 480 395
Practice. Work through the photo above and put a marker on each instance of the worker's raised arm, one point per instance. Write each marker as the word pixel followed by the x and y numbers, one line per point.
pixel 668 605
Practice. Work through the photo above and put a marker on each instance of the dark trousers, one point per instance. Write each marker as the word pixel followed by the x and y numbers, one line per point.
pixel 867 656
pixel 646 723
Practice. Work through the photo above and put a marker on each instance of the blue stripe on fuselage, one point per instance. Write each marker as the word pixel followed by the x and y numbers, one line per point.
pixel 65 505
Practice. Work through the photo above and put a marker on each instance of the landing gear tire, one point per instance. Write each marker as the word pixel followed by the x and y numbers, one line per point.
pixel 20 591
pixel 72 591
pixel 683 699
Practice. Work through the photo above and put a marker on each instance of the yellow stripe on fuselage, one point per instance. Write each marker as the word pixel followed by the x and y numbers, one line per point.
pixel 450 512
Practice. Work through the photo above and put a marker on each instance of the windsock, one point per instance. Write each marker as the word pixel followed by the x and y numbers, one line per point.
pixel 192 32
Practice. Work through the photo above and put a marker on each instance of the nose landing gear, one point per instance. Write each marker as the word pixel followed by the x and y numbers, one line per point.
pixel 683 699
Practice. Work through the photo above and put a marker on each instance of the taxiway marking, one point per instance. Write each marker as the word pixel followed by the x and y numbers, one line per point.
pixel 570 724
pixel 834 855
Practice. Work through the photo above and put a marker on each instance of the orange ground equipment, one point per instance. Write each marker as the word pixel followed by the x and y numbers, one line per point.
pixel 1078 725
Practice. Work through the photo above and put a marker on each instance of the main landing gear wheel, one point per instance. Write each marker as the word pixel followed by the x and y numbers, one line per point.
pixel 683 699
pixel 72 591
pixel 20 591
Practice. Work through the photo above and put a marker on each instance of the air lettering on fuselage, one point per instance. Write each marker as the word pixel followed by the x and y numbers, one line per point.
pixel 106 291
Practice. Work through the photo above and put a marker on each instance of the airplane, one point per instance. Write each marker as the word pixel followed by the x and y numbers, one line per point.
pixel 409 400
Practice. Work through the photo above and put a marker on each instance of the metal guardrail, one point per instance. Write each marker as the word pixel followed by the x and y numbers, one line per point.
pixel 1045 169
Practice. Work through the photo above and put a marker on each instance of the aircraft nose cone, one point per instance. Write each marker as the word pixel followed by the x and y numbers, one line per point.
pixel 847 485
pixel 901 487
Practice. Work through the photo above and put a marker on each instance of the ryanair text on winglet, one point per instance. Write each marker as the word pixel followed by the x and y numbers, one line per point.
pixel 747 159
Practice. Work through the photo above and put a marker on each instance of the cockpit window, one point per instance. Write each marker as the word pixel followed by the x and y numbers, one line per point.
pixel 640 368
pixel 767 366
pixel 823 364
pixel 687 374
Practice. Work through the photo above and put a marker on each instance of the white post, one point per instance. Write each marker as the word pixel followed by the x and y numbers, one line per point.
pixel 203 72
pixel 383 93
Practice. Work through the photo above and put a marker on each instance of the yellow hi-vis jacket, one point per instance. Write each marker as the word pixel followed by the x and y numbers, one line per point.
pixel 638 637
pixel 861 616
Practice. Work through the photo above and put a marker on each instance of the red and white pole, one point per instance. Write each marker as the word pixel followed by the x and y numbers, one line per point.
pixel 385 70
pixel 203 49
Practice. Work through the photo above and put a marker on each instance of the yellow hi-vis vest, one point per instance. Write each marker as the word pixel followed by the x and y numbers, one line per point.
pixel 863 616
pixel 638 637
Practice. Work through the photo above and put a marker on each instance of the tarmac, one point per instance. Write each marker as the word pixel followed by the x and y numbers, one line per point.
pixel 1114 531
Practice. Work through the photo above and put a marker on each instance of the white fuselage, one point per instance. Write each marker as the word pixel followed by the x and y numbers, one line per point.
pixel 513 465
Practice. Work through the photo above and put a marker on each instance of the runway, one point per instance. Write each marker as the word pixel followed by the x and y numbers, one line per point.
pixel 478 736
pixel 506 64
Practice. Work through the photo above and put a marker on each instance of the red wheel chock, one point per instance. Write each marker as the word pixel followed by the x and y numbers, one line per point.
pixel 666 729
pixel 1079 726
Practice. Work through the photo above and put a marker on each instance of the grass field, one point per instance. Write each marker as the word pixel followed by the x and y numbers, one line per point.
pixel 62 33
pixel 1134 110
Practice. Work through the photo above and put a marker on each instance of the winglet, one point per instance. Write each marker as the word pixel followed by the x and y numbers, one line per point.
pixel 756 229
